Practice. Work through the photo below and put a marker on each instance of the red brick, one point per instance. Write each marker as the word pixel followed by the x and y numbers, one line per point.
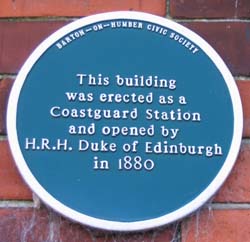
pixel 236 188
pixel 77 8
pixel 19 39
pixel 244 88
pixel 41 225
pixel 217 226
pixel 210 8
pixel 11 183
pixel 230 39
pixel 5 86
pixel 243 9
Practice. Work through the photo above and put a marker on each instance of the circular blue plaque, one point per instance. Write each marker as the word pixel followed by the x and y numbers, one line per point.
pixel 124 121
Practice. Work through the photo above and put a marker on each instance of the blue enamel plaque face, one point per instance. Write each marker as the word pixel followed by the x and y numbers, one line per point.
pixel 124 121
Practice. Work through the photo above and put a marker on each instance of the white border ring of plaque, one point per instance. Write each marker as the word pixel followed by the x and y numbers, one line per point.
pixel 104 223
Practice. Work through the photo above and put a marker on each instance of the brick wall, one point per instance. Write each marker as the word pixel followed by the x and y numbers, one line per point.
pixel 225 24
